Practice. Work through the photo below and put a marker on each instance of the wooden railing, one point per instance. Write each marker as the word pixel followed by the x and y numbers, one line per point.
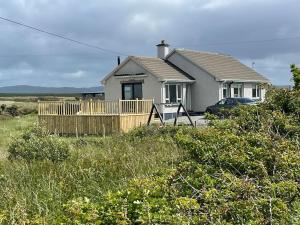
pixel 94 107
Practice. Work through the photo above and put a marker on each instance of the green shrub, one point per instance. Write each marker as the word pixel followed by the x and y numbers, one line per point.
pixel 37 144
pixel 144 201
pixel 241 170
pixel 18 109
pixel 2 108
pixel 12 110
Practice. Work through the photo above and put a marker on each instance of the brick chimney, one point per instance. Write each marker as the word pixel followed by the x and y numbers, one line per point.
pixel 162 49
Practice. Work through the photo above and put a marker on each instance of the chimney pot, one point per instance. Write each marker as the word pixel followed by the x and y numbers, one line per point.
pixel 162 50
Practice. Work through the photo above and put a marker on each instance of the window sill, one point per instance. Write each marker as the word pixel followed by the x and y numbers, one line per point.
pixel 171 104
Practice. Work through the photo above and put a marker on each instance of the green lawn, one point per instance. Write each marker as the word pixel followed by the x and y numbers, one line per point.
pixel 11 127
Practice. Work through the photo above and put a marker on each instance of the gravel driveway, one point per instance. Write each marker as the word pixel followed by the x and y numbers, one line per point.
pixel 199 120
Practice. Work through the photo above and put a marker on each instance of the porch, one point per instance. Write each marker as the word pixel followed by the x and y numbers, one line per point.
pixel 93 116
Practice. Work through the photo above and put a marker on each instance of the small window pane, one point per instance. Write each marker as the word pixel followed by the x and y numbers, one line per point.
pixel 167 91
pixel 172 90
pixel 179 91
pixel 236 92
pixel 254 93
pixel 128 92
pixel 138 93
pixel 224 93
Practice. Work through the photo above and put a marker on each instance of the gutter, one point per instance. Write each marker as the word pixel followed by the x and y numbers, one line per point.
pixel 178 81
pixel 243 81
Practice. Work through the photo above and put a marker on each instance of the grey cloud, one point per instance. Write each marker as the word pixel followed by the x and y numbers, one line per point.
pixel 134 27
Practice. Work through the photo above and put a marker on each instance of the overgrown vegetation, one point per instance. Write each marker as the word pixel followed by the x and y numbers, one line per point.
pixel 296 76
pixel 244 169
pixel 37 143
pixel 37 192
pixel 12 127
pixel 17 109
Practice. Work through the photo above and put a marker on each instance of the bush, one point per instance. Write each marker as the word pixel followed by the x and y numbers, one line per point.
pixel 12 110
pixel 144 201
pixel 39 189
pixel 2 108
pixel 241 170
pixel 37 144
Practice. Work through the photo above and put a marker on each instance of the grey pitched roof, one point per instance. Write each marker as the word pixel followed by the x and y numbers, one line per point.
pixel 162 69
pixel 222 67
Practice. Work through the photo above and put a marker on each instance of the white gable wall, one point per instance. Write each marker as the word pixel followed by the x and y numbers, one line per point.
pixel 205 91
pixel 151 87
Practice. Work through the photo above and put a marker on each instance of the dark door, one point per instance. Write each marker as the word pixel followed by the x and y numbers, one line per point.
pixel 132 91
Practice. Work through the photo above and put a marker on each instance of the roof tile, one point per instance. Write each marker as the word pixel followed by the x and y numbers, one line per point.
pixel 223 67
pixel 162 69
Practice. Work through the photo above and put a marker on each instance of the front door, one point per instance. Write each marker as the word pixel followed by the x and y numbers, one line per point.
pixel 131 91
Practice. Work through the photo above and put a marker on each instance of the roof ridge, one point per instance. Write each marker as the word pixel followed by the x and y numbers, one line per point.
pixel 147 57
pixel 205 52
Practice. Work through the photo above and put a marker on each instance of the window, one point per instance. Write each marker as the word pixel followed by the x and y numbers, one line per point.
pixel 237 90
pixel 225 90
pixel 173 93
pixel 127 92
pixel 132 91
pixel 230 101
pixel 245 100
pixel 221 102
pixel 256 91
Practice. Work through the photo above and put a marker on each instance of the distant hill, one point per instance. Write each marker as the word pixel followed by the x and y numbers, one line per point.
pixel 27 89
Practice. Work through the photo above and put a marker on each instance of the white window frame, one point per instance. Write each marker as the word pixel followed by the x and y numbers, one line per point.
pixel 167 93
pixel 257 89
pixel 225 87
pixel 240 90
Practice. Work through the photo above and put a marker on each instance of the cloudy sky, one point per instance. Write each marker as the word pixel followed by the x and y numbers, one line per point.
pixel 266 32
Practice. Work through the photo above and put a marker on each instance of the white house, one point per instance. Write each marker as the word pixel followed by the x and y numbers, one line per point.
pixel 196 79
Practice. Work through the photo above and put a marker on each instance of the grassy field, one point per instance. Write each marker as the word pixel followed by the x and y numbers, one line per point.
pixel 12 127
pixel 36 97
pixel 97 165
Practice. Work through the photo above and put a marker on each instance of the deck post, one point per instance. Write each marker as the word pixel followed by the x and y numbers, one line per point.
pixel 90 106
pixel 63 107
pixel 80 106
pixel 136 106
pixel 120 106
pixel 39 108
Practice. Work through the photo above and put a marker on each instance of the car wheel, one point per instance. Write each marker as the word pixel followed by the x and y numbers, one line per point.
pixel 209 111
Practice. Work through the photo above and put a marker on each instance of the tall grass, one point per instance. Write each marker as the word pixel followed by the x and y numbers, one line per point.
pixel 11 127
pixel 97 165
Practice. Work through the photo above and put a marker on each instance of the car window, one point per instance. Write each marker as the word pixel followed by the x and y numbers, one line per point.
pixel 245 100
pixel 221 102
pixel 229 101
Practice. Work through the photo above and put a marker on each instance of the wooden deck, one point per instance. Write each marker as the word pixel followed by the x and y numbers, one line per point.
pixel 93 117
